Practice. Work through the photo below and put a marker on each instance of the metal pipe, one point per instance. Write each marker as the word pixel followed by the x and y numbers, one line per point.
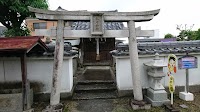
pixel 187 80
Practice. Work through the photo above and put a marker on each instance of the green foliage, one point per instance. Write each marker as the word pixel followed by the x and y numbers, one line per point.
pixel 17 32
pixel 197 34
pixel 14 12
pixel 189 35
pixel 169 35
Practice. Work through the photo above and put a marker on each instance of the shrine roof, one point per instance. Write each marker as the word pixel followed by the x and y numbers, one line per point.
pixel 20 44
pixel 160 47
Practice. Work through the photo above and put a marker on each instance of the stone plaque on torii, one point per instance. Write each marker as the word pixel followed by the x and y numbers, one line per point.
pixel 96 19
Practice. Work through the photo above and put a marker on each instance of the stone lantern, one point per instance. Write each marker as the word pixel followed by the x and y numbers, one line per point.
pixel 156 94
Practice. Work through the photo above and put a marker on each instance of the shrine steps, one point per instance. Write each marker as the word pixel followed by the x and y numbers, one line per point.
pixel 91 89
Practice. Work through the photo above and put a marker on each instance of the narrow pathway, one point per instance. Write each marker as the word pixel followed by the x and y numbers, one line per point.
pixel 96 105
pixel 95 91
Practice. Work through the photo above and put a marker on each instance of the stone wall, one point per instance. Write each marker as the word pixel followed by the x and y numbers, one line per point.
pixel 11 100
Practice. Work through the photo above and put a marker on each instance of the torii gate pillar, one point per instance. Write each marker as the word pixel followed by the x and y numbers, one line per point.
pixel 137 87
pixel 57 66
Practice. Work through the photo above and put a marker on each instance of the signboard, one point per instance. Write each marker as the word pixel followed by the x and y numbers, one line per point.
pixel 171 84
pixel 97 24
pixel 171 70
pixel 187 62
pixel 171 64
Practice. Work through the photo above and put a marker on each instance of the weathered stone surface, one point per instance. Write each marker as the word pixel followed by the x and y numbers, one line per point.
pixel 138 105
pixel 11 102
pixel 156 103
pixel 54 108
pixel 157 95
pixel 95 84
pixel 29 110
pixel 85 15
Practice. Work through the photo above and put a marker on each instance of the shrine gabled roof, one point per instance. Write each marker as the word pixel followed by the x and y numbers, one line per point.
pixel 20 44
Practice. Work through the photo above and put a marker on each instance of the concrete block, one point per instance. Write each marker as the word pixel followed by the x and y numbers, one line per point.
pixel 156 103
pixel 11 102
pixel 125 93
pixel 186 96
pixel 159 95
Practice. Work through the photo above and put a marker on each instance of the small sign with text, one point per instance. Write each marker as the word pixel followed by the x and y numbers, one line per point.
pixel 187 62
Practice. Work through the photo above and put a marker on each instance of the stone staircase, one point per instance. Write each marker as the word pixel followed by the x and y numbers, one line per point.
pixel 95 89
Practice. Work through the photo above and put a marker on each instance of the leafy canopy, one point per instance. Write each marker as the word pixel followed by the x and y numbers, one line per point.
pixel 189 35
pixel 14 12
pixel 169 35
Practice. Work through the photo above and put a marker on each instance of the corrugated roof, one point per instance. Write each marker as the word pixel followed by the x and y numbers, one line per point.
pixel 20 43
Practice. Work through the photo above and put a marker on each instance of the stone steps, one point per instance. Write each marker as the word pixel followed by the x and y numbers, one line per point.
pixel 93 87
pixel 97 95
pixel 87 82
pixel 86 90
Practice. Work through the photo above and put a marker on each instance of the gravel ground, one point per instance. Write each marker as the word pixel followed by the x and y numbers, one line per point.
pixel 118 105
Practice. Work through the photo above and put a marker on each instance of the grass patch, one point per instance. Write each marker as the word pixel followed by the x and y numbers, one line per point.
pixel 69 106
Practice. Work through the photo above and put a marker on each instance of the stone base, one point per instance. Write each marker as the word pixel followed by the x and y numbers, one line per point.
pixel 54 108
pixel 140 105
pixel 156 103
pixel 29 110
pixel 157 98
pixel 157 95
pixel 125 93
pixel 170 108
pixel 186 96
pixel 128 93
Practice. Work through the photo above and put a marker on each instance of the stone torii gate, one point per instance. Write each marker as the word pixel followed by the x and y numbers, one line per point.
pixel 97 19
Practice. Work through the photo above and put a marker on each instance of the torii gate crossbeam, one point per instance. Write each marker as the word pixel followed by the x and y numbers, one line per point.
pixel 74 34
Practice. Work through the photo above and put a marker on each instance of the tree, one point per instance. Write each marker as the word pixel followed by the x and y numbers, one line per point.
pixel 185 33
pixel 197 34
pixel 169 35
pixel 14 12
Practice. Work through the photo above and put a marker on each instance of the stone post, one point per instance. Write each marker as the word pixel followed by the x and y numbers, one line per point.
pixel 97 49
pixel 57 67
pixel 137 87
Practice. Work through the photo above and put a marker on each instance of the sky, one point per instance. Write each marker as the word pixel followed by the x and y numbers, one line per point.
pixel 172 12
